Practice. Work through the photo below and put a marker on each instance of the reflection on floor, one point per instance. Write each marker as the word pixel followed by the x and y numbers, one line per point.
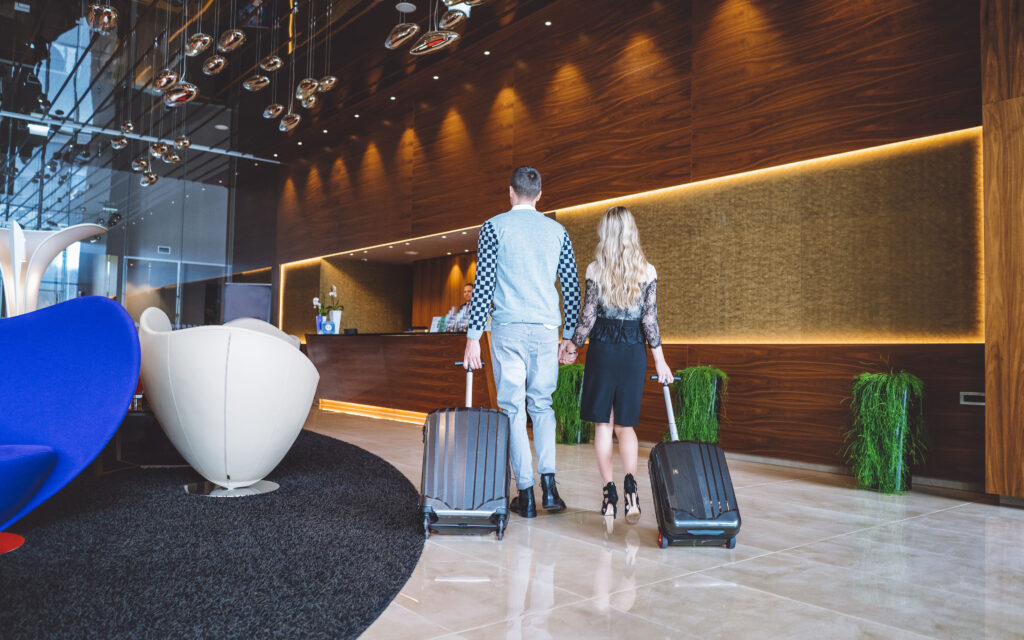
pixel 816 558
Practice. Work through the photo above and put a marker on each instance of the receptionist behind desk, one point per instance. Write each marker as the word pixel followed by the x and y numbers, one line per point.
pixel 458 318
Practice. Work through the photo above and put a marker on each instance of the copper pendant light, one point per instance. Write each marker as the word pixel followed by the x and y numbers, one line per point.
pixel 182 142
pixel 306 88
pixel 272 62
pixel 400 34
pixel 433 41
pixel 102 18
pixel 128 127
pixel 119 142
pixel 171 157
pixel 273 111
pixel 157 149
pixel 197 44
pixel 326 83
pixel 255 82
pixel 230 40
pixel 214 64
pixel 166 79
pixel 452 18
pixel 181 93
pixel 309 101
pixel 140 164
pixel 147 178
pixel 289 121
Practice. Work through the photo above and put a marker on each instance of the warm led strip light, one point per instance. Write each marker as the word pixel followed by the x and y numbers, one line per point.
pixel 371 411
pixel 867 151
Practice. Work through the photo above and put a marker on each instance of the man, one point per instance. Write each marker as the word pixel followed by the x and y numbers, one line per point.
pixel 460 316
pixel 520 252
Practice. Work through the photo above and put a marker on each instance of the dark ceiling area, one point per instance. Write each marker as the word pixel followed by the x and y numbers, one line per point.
pixel 79 87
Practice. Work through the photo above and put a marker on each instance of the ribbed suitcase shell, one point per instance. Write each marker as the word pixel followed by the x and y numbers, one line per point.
pixel 464 486
pixel 694 499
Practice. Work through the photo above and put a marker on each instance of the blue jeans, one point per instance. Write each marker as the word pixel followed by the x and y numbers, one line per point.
pixel 526 369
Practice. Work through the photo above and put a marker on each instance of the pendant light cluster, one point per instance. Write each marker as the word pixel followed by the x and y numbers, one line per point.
pixel 441 33
pixel 309 88
pixel 102 18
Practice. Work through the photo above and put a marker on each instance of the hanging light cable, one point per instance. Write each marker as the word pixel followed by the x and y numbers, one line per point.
pixel 328 81
pixel 291 119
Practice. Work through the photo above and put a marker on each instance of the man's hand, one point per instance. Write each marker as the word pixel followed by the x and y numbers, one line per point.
pixel 471 358
pixel 566 352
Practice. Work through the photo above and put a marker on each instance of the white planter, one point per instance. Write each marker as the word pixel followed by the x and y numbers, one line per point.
pixel 336 319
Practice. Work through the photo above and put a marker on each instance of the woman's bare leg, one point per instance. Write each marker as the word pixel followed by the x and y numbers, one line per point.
pixel 629 448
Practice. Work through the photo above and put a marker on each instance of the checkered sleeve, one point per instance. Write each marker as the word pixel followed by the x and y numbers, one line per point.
pixel 569 276
pixel 483 286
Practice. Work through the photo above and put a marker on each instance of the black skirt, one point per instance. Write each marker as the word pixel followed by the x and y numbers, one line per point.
pixel 614 374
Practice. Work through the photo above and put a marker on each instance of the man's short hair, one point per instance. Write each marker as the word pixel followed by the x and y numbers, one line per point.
pixel 468 284
pixel 526 182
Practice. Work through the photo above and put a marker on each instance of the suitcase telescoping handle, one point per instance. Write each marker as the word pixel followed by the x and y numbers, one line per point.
pixel 469 382
pixel 668 408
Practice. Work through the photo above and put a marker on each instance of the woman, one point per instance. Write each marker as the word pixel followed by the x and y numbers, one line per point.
pixel 620 311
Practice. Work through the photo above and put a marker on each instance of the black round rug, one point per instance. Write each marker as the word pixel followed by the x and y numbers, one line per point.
pixel 131 555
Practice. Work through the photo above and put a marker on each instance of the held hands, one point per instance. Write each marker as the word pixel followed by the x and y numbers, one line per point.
pixel 471 358
pixel 566 352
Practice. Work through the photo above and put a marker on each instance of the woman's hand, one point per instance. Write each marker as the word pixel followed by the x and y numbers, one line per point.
pixel 665 375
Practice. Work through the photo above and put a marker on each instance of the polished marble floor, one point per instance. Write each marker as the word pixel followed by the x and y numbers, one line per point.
pixel 816 558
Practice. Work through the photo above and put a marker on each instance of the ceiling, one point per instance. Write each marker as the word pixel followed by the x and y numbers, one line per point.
pixel 82 86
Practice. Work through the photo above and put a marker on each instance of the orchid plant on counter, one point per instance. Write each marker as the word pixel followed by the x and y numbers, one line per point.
pixel 324 309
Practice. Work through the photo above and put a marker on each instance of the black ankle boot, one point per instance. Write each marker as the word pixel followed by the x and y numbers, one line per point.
pixel 524 504
pixel 632 499
pixel 550 501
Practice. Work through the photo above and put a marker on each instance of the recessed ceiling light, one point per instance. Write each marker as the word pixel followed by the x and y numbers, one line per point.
pixel 299 143
pixel 444 236
pixel 411 253
pixel 437 77
pixel 364 252
pixel 391 246
pixel 255 164
pixel 275 155
pixel 449 253
pixel 356 115
pixel 221 127
pixel 463 233
pixel 465 250
pixel 547 23
pixel 487 53
pixel 394 98
pixel 325 130
pixel 407 244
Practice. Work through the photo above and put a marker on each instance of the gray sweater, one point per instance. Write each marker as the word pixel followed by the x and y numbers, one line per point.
pixel 519 255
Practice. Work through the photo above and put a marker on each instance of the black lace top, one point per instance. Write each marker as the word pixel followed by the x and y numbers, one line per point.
pixel 610 324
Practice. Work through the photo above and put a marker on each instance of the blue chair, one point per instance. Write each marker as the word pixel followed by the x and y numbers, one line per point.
pixel 70 372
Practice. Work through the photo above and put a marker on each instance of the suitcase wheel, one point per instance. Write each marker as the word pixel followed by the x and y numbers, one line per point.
pixel 662 541
pixel 731 543
pixel 426 527
pixel 500 530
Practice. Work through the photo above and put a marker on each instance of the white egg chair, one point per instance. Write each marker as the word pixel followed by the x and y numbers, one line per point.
pixel 231 398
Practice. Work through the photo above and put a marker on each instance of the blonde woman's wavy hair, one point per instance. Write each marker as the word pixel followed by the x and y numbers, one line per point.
pixel 621 266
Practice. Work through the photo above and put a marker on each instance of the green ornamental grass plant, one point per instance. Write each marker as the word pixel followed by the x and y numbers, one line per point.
pixel 698 402
pixel 566 403
pixel 887 431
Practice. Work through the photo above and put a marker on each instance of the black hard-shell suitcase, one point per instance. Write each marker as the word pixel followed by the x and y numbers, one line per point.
pixel 464 486
pixel 694 501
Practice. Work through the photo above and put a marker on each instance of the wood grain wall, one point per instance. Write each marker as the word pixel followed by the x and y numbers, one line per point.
pixel 792 401
pixel 612 100
pixel 437 285
pixel 1003 114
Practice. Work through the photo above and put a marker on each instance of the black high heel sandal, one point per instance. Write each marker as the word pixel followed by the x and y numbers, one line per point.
pixel 632 500
pixel 610 505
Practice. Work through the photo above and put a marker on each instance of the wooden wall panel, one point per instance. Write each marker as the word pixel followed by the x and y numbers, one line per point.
pixel 791 401
pixel 437 285
pixel 377 297
pixel 369 369
pixel 609 102
pixel 1003 114
pixel 776 81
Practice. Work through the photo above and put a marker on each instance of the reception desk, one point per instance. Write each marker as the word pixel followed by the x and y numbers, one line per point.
pixel 399 376
pixel 786 402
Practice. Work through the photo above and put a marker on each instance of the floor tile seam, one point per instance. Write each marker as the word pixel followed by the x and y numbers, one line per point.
pixel 396 603
pixel 831 610
pixel 561 606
